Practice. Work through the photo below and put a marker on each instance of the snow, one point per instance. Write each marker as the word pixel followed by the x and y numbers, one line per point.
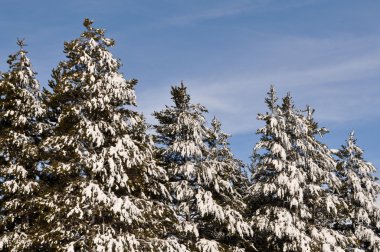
pixel 108 242
pixel 284 224
pixel 21 122
pixel 205 245
pixel 278 150
pixel 293 170
pixel 190 227
pixel 369 236
pixel 100 155
pixel 202 170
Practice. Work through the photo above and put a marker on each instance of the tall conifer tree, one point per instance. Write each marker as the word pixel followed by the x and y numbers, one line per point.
pixel 21 114
pixel 359 192
pixel 105 188
pixel 291 198
pixel 198 161
pixel 228 184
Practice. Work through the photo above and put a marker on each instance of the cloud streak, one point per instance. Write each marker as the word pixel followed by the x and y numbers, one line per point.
pixel 210 14
pixel 223 10
pixel 329 83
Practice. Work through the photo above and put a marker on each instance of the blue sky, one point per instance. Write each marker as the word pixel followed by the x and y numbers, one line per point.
pixel 326 53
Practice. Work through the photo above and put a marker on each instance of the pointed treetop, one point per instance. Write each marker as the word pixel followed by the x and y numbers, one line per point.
pixel 350 150
pixel 88 23
pixel 95 33
pixel 180 96
pixel 21 52
pixel 351 145
pixel 351 140
pixel 272 98
pixel 21 43
pixel 217 136
pixel 21 71
pixel 351 137
pixel 215 131
pixel 313 125
pixel 310 111
pixel 287 102
pixel 215 123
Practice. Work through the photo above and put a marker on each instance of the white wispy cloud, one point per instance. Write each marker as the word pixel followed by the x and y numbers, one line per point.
pixel 226 9
pixel 209 14
pixel 338 82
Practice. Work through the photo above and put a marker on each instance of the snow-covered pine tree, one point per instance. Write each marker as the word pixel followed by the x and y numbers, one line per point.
pixel 202 174
pixel 225 177
pixel 105 190
pixel 359 191
pixel 290 195
pixel 21 114
pixel 327 205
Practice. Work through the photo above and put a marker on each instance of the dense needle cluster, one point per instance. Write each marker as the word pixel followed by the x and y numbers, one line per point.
pixel 80 172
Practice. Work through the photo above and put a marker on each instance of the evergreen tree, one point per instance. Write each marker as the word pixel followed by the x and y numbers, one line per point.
pixel 21 112
pixel 291 196
pixel 203 175
pixel 105 190
pixel 359 192
pixel 228 185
